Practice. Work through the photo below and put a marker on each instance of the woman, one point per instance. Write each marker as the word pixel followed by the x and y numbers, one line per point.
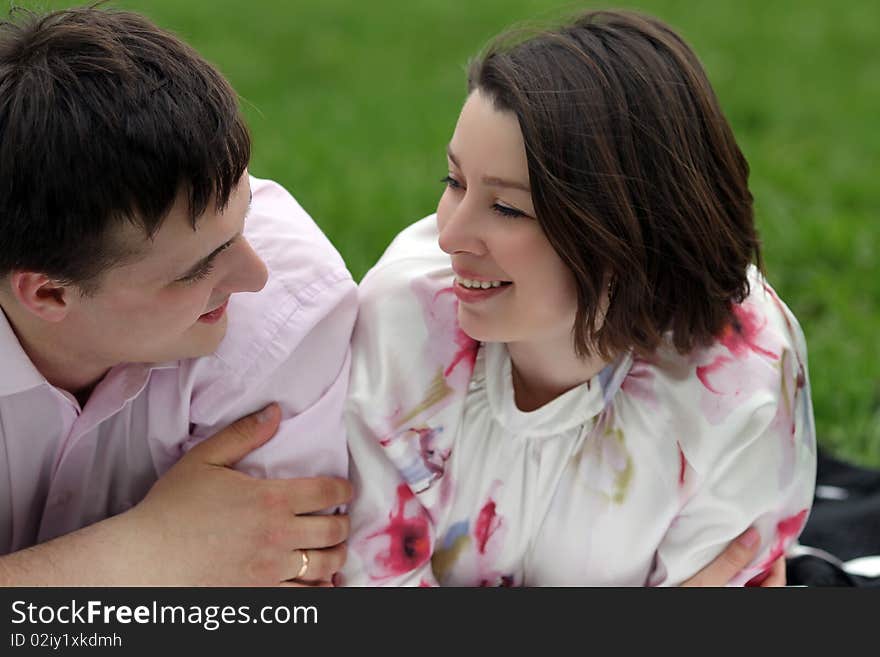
pixel 591 383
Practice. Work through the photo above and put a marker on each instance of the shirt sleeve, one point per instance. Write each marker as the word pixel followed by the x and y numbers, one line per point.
pixel 288 343
pixel 755 465
pixel 309 383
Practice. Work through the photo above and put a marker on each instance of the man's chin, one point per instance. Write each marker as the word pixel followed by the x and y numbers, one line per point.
pixel 202 340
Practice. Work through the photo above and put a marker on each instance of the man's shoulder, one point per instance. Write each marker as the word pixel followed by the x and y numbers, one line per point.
pixel 286 236
pixel 308 281
pixel 303 264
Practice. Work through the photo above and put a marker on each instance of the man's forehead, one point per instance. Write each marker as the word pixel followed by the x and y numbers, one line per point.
pixel 176 239
pixel 180 241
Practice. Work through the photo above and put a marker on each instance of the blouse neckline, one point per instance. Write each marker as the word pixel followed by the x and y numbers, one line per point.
pixel 571 409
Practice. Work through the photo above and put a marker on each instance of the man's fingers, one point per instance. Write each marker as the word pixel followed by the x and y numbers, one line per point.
pixel 240 438
pixel 726 565
pixel 302 585
pixel 313 494
pixel 318 531
pixel 321 564
pixel 777 574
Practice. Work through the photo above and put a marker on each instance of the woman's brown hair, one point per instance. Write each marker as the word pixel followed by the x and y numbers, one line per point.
pixel 636 177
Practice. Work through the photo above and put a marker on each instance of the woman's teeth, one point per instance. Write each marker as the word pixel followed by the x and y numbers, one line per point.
pixel 478 285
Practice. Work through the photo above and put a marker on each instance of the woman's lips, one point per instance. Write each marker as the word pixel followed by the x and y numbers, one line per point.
pixel 215 315
pixel 475 295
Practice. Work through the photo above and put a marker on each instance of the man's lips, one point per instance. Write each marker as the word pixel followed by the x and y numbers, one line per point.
pixel 214 315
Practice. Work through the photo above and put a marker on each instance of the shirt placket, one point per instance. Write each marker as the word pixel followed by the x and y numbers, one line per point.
pixel 69 483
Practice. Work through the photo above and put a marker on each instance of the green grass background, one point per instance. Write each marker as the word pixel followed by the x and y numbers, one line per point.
pixel 351 104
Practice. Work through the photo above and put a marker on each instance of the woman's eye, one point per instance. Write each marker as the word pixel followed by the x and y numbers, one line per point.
pixel 450 182
pixel 507 211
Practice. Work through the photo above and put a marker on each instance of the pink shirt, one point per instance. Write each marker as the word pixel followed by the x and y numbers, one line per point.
pixel 63 467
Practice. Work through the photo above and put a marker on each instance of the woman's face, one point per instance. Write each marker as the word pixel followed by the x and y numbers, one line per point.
pixel 511 284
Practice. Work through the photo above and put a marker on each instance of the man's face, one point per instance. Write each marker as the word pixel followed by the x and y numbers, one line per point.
pixel 170 301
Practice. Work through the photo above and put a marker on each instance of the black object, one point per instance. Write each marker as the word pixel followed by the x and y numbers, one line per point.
pixel 843 525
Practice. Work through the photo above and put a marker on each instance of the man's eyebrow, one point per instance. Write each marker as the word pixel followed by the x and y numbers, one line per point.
pixel 492 180
pixel 204 262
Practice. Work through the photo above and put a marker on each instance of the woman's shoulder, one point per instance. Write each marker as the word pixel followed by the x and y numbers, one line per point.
pixel 762 336
pixel 408 349
pixel 408 292
pixel 761 345
pixel 751 380
pixel 412 254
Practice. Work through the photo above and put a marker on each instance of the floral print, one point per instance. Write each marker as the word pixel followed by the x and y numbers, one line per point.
pixel 640 476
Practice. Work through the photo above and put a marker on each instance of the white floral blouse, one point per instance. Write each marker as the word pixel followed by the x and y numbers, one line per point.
pixel 640 476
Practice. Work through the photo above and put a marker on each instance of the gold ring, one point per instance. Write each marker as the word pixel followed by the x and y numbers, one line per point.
pixel 305 566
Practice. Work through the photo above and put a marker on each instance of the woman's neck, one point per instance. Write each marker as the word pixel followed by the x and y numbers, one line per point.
pixel 542 371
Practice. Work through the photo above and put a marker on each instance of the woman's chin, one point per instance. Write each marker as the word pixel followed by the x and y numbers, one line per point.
pixel 477 330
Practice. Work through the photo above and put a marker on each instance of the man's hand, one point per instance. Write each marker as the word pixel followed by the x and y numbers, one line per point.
pixel 735 557
pixel 204 524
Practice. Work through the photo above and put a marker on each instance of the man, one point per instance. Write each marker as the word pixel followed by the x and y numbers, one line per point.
pixel 152 292
pixel 130 226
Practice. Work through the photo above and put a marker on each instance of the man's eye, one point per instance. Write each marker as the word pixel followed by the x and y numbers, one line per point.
pixel 199 275
pixel 206 270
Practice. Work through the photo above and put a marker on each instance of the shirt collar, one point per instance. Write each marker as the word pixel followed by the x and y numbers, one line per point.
pixel 19 373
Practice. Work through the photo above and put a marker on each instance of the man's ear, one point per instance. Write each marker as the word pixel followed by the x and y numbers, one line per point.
pixel 42 296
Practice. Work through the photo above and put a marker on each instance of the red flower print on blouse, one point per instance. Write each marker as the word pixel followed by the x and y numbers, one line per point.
pixel 453 350
pixel 738 363
pixel 487 523
pixel 406 538
pixel 787 530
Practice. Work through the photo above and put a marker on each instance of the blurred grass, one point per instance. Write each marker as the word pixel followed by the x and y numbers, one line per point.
pixel 351 105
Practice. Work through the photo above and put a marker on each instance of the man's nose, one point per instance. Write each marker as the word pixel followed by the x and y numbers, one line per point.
pixel 246 272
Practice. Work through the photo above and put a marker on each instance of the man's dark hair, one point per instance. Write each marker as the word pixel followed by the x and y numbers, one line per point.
pixel 636 177
pixel 105 118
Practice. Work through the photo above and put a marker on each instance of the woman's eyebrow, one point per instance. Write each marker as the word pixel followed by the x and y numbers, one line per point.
pixel 492 181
